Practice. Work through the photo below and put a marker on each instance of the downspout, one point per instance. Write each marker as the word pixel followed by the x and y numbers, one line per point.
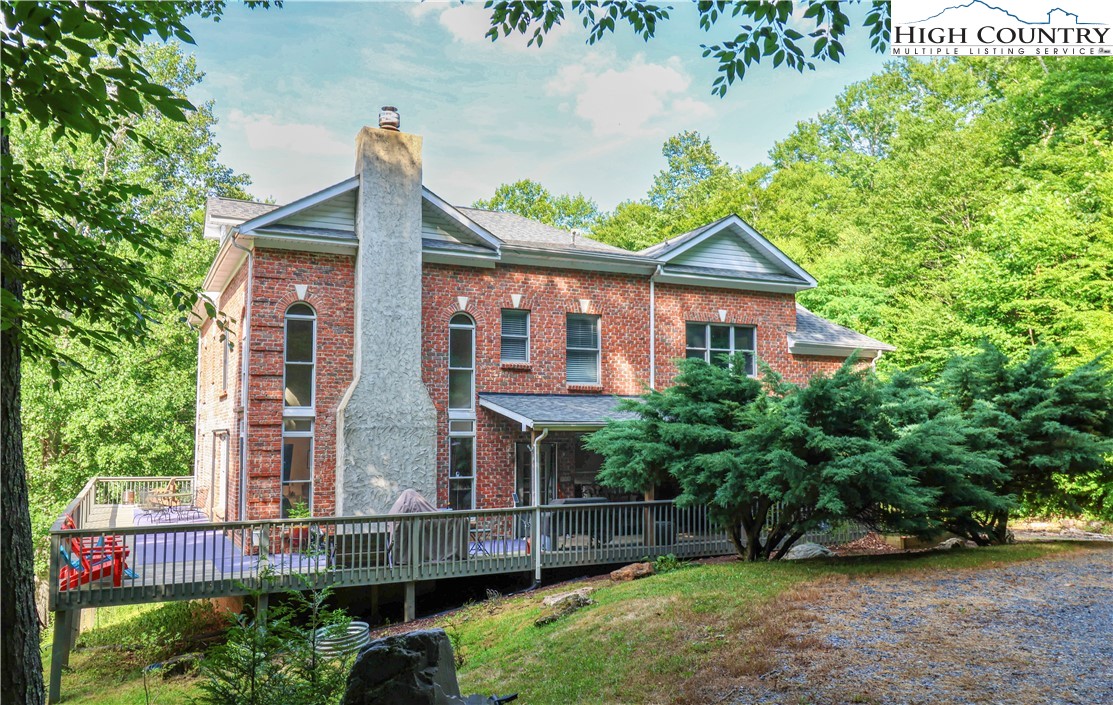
pixel 245 350
pixel 535 483
pixel 653 329
pixel 197 412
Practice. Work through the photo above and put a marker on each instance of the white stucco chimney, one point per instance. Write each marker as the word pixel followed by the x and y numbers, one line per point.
pixel 387 425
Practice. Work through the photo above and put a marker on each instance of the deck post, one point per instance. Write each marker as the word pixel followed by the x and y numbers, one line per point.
pixel 261 604
pixel 410 611
pixel 59 652
pixel 535 489
pixel 74 632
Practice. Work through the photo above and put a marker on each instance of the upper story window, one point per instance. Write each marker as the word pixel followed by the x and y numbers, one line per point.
pixel 715 343
pixel 515 335
pixel 583 349
pixel 225 362
pixel 300 357
pixel 461 363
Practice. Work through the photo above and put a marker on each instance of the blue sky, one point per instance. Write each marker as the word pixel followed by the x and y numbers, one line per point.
pixel 293 86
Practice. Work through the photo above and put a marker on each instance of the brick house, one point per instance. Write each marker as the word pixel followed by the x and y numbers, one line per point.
pixel 383 339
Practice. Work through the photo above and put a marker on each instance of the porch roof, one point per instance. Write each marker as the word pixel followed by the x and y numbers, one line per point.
pixel 568 412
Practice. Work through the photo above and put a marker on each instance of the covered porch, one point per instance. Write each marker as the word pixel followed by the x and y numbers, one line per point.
pixel 552 428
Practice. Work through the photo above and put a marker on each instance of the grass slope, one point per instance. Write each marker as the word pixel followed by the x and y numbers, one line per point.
pixel 679 637
pixel 682 636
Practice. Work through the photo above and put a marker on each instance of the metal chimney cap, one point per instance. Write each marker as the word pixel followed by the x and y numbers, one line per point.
pixel 389 118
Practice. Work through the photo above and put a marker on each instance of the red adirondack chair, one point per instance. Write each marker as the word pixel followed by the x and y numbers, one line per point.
pixel 82 565
pixel 87 542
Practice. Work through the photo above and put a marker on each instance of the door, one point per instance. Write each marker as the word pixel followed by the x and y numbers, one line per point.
pixel 523 473
pixel 218 476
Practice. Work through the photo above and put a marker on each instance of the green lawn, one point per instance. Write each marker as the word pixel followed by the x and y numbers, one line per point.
pixel 642 642
pixel 647 641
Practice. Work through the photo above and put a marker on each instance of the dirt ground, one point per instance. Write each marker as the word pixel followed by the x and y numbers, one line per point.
pixel 1033 633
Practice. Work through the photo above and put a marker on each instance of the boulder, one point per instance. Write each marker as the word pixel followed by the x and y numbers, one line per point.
pixel 632 572
pixel 565 596
pixel 410 669
pixel 951 544
pixel 407 669
pixel 804 551
pixel 181 665
pixel 566 605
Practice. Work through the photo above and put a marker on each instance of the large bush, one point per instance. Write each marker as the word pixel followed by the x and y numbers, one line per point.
pixel 773 460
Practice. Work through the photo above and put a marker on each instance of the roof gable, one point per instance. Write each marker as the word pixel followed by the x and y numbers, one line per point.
pixel 732 250
pixel 728 251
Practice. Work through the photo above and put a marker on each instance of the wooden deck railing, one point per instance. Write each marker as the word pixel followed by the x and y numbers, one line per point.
pixel 175 555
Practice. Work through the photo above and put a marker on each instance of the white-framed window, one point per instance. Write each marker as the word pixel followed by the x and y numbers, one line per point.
pixel 515 335
pixel 300 355
pixel 226 351
pixel 583 349
pixel 715 343
pixel 461 363
pixel 297 465
pixel 461 464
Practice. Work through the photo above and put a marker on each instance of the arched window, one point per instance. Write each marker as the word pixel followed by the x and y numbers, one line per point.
pixel 301 357
pixel 461 411
pixel 461 363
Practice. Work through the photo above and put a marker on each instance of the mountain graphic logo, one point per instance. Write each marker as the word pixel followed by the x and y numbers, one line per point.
pixel 1055 17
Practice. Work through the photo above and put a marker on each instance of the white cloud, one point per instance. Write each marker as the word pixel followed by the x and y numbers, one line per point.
pixel 468 23
pixel 631 101
pixel 264 132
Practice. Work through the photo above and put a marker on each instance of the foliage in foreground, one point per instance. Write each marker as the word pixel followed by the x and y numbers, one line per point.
pixel 1052 432
pixel 774 461
pixel 273 658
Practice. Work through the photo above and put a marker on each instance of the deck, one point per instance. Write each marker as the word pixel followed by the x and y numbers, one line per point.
pixel 178 553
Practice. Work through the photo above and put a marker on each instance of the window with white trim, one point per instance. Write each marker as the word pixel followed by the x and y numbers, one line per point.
pixel 515 335
pixel 461 464
pixel 583 349
pixel 297 465
pixel 715 343
pixel 461 363
pixel 300 358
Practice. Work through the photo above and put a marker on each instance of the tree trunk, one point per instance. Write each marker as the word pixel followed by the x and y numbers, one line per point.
pixel 1001 527
pixel 21 669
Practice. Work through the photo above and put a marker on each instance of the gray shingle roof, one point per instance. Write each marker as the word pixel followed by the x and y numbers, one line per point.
pixel 561 409
pixel 235 209
pixel 518 230
pixel 817 330
pixel 660 247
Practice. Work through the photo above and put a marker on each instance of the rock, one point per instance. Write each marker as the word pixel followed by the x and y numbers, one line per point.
pixel 180 665
pixel 569 603
pixel 632 572
pixel 561 597
pixel 407 669
pixel 951 543
pixel 804 551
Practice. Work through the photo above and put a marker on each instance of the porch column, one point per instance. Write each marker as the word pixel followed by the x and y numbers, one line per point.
pixel 535 486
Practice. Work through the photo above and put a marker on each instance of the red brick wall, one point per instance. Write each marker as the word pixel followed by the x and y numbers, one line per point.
pixel 330 280
pixel 218 407
pixel 549 295
pixel 621 301
pixel 774 316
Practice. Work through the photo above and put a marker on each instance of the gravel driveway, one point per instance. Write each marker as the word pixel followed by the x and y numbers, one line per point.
pixel 1038 632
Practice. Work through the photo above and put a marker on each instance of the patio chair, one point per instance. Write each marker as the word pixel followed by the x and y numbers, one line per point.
pixel 68 524
pixel 85 565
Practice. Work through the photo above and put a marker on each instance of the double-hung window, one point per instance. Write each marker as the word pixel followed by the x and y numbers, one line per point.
pixel 515 335
pixel 461 464
pixel 583 349
pixel 297 466
pixel 716 343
